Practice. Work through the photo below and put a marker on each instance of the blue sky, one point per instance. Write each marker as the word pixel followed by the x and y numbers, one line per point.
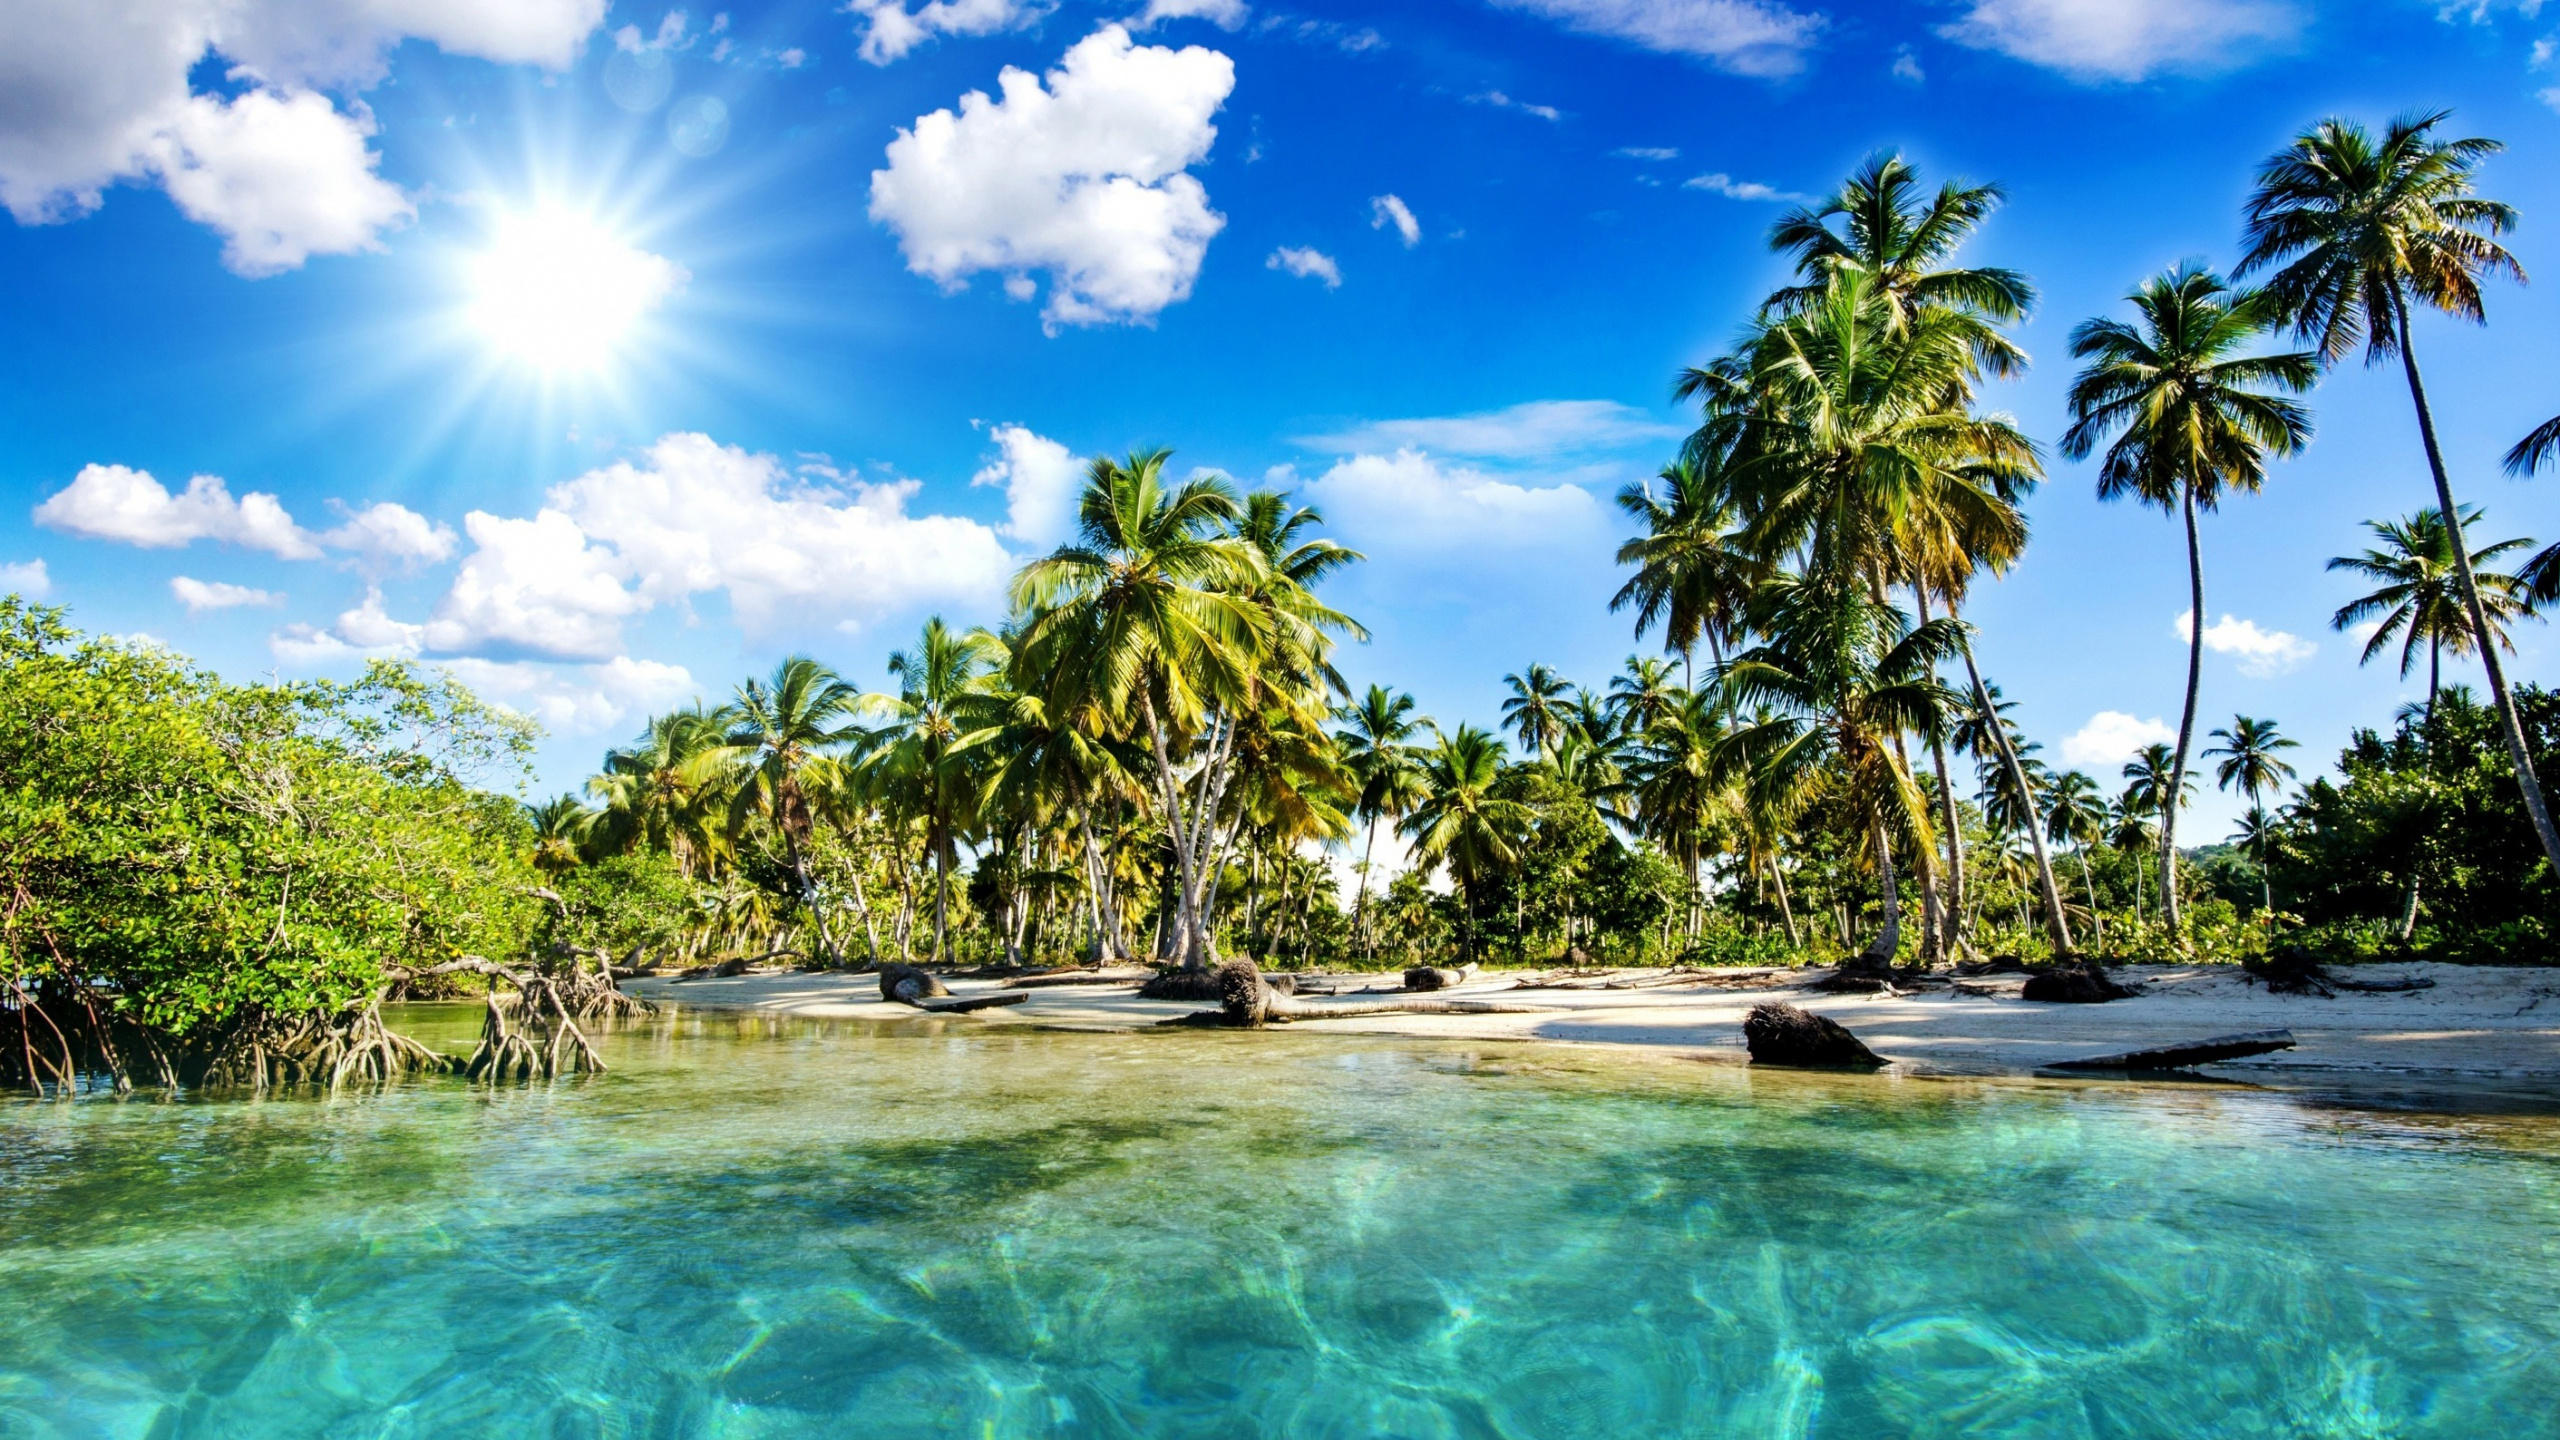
pixel 818 342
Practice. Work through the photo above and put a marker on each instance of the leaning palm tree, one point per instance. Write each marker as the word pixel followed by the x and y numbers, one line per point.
pixel 1464 822
pixel 2193 418
pixel 2420 598
pixel 1376 742
pixel 2357 230
pixel 2250 764
pixel 780 729
pixel 1539 709
pixel 1151 608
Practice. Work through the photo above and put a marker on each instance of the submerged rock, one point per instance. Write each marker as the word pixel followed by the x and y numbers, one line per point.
pixel 1781 1034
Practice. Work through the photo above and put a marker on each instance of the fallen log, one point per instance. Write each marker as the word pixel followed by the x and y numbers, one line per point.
pixel 964 1006
pixel 1108 975
pixel 1788 1035
pixel 2180 1057
pixel 1436 977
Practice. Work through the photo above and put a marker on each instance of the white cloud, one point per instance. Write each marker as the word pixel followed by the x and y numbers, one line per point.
pixel 1411 502
pixel 366 632
pixel 1535 431
pixel 578 699
pixel 1748 37
pixel 1306 263
pixel 1906 67
pixel 1085 179
pixel 2261 653
pixel 1225 14
pixel 534 585
pixel 97 91
pixel 2112 737
pixel 1500 101
pixel 2127 39
pixel 894 30
pixel 386 535
pixel 202 595
pixel 28 579
pixel 1041 480
pixel 1647 152
pixel 1719 183
pixel 112 502
pixel 1386 210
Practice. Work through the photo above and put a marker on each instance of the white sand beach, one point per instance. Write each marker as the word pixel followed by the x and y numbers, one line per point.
pixel 2481 1023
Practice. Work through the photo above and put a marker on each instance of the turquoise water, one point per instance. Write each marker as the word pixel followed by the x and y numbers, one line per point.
pixel 763 1228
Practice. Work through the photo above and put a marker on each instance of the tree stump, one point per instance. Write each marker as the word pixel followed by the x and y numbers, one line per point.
pixel 905 985
pixel 1781 1034
pixel 2077 983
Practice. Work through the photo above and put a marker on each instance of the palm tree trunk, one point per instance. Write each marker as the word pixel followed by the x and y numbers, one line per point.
pixel 1093 888
pixel 1888 941
pixel 2057 926
pixel 1360 906
pixel 862 907
pixel 1786 911
pixel 2186 722
pixel 2518 751
pixel 1952 942
pixel 941 896
pixel 2089 883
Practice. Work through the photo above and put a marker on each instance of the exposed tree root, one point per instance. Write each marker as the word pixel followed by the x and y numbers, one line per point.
pixel 2294 970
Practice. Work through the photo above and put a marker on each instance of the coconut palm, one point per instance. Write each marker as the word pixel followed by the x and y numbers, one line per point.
pixel 918 757
pixel 1840 674
pixel 1464 823
pixel 1151 609
pixel 2250 764
pixel 561 827
pixel 1642 694
pixel 1376 742
pixel 1539 708
pixel 661 792
pixel 2131 831
pixel 2075 814
pixel 2357 230
pixel 2194 418
pixel 1679 784
pixel 778 730
pixel 1689 576
pixel 2153 777
pixel 2420 598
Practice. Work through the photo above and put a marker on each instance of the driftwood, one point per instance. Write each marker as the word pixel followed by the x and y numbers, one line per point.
pixel 963 1007
pixel 1781 1034
pixel 2180 1057
pixel 2294 970
pixel 1563 979
pixel 1437 977
pixel 1105 975
pixel 2076 983
pixel 1246 1002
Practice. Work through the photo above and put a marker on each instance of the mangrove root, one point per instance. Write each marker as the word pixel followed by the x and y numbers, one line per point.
pixel 1781 1034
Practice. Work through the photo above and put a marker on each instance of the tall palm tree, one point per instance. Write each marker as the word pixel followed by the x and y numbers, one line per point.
pixel 918 755
pixel 2156 788
pixel 1841 674
pixel 2250 763
pixel 1152 608
pixel 1538 710
pixel 2420 599
pixel 660 792
pixel 778 730
pixel 2075 814
pixel 2357 229
pixel 1690 578
pixel 2193 419
pixel 1642 694
pixel 1464 822
pixel 2130 830
pixel 1679 784
pixel 1377 745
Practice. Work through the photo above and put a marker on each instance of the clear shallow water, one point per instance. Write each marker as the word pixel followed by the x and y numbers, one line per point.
pixel 760 1228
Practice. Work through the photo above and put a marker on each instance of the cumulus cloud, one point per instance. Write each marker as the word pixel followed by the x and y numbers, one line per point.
pixel 1539 430
pixel 536 585
pixel 1306 263
pixel 113 502
pixel 2127 39
pixel 202 595
pixel 1084 178
pixel 385 535
pixel 1719 183
pixel 97 92
pixel 2261 653
pixel 1041 479
pixel 1386 210
pixel 2112 737
pixel 1225 14
pixel 1412 502
pixel 893 30
pixel 579 699
pixel 1748 37
pixel 28 579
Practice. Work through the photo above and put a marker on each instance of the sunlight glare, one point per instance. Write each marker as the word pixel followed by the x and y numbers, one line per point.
pixel 557 291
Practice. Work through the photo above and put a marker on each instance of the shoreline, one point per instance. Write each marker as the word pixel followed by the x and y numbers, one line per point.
pixel 2477 1023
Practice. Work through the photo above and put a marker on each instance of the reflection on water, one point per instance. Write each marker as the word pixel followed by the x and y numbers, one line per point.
pixel 763 1228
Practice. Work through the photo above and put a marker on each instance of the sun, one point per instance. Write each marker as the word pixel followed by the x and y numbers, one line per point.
pixel 557 291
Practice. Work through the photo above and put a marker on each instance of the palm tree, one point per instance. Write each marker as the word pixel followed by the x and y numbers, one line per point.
pixel 2157 787
pixel 1376 743
pixel 2356 230
pixel 778 731
pixel 1642 694
pixel 2075 814
pixel 1689 577
pixel 1538 709
pixel 1678 784
pixel 1841 674
pixel 2248 752
pixel 1151 607
pixel 918 756
pixel 561 827
pixel 660 791
pixel 2130 831
pixel 2193 419
pixel 1464 823
pixel 2420 596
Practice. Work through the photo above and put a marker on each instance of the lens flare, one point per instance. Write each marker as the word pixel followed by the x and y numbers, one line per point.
pixel 558 292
